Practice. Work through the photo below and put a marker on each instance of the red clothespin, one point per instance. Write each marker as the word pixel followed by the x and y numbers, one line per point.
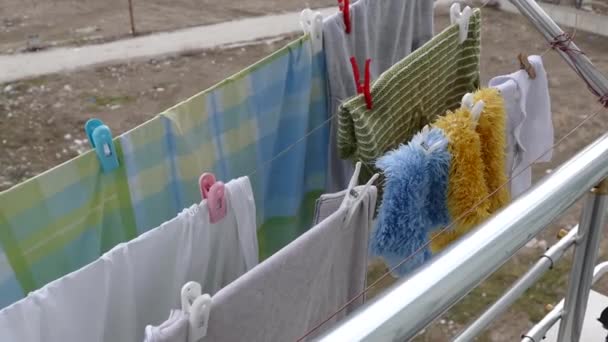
pixel 363 88
pixel 344 6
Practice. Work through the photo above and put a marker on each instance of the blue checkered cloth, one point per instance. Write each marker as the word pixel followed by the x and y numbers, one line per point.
pixel 65 218
pixel 236 128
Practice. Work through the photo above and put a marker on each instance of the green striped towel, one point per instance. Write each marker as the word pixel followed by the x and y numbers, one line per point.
pixel 411 94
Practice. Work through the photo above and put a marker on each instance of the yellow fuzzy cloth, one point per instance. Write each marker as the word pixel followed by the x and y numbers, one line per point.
pixel 466 186
pixel 477 166
pixel 491 128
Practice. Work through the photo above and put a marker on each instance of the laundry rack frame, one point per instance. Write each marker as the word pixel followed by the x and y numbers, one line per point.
pixel 414 302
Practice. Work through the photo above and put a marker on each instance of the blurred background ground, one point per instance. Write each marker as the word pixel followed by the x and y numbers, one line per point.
pixel 41 119
pixel 77 22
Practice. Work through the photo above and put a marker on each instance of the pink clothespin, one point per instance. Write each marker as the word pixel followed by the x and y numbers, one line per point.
pixel 216 202
pixel 215 194
pixel 363 88
pixel 205 182
pixel 344 6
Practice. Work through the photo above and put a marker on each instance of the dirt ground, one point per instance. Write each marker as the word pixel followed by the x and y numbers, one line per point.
pixel 41 121
pixel 48 23
pixel 77 22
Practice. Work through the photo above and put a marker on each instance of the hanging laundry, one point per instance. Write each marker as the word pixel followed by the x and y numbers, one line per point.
pixel 60 221
pixel 385 31
pixel 250 123
pixel 411 94
pixel 301 285
pixel 466 186
pixel 530 126
pixel 477 170
pixel 414 202
pixel 134 284
pixel 64 219
pixel 174 329
pixel 491 127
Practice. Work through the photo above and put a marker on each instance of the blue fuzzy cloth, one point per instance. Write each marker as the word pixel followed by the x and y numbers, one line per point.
pixel 414 201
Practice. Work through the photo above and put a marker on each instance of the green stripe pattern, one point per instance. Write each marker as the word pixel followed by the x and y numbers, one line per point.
pixel 411 94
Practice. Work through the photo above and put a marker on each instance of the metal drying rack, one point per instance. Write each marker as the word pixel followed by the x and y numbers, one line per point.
pixel 414 302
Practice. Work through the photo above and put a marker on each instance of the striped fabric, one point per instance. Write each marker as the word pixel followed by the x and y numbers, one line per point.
pixel 67 217
pixel 411 94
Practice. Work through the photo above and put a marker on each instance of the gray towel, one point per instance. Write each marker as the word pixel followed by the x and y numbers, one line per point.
pixel 297 288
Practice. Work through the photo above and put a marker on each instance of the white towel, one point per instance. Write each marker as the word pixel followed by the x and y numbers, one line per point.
pixel 137 283
pixel 529 119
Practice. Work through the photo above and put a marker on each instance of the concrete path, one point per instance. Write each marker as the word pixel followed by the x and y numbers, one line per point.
pixel 26 65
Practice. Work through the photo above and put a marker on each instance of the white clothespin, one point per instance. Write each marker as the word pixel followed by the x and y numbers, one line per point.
pixel 190 291
pixel 198 307
pixel 199 318
pixel 476 108
pixel 352 197
pixel 312 23
pixel 421 139
pixel 462 19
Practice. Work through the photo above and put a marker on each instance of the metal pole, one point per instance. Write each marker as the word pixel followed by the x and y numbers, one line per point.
pixel 133 32
pixel 538 332
pixel 517 290
pixel 412 303
pixel 587 245
pixel 550 30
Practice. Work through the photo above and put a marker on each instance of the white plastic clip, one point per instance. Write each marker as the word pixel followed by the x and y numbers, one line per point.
pixel 352 196
pixel 190 291
pixel 312 23
pixel 462 19
pixel 199 318
pixel 476 108
pixel 422 137
pixel 468 100
pixel 198 307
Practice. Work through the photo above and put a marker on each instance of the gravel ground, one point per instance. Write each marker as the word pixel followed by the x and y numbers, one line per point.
pixel 77 22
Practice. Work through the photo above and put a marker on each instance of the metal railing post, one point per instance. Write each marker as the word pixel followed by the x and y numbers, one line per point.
pixel 538 332
pixel 581 275
pixel 519 288
pixel 415 301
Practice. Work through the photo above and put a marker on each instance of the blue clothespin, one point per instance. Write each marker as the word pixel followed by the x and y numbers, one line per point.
pixel 100 138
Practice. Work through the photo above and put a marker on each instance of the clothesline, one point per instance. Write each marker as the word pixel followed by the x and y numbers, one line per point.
pixel 451 225
pixel 562 43
pixel 175 126
pixel 559 42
